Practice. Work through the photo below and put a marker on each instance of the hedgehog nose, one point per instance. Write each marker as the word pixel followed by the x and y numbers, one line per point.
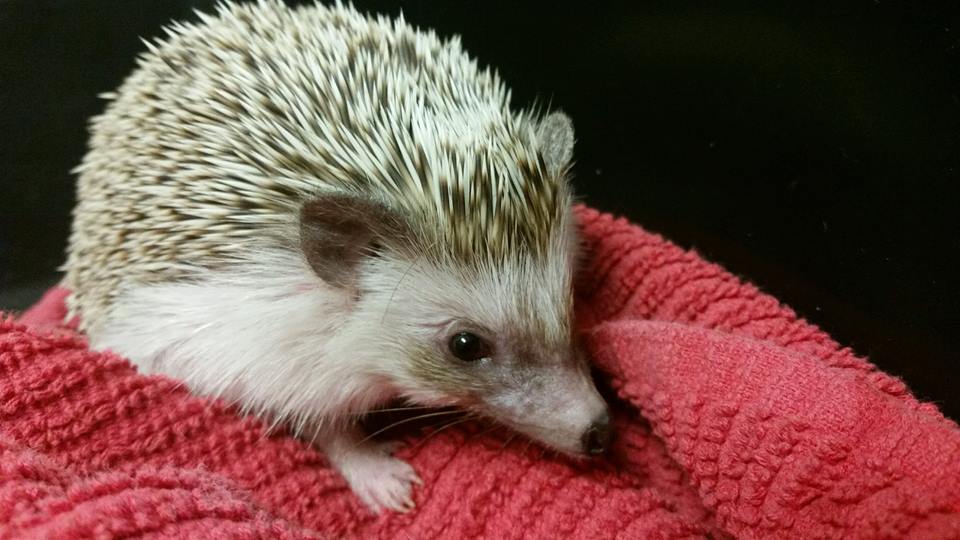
pixel 596 440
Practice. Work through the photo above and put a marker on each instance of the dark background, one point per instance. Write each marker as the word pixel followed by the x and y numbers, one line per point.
pixel 814 150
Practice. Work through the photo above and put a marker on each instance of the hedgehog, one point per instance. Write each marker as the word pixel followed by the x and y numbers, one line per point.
pixel 310 213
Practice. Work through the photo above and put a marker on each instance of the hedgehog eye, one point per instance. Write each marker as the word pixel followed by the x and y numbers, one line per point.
pixel 469 347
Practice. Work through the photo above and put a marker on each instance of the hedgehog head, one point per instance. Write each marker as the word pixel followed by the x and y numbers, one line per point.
pixel 473 306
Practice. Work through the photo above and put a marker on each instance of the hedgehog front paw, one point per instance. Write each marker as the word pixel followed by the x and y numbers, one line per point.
pixel 380 480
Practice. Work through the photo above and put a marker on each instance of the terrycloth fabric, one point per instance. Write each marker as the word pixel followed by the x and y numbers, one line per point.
pixel 734 418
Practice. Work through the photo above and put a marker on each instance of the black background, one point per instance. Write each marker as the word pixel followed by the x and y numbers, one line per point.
pixel 812 149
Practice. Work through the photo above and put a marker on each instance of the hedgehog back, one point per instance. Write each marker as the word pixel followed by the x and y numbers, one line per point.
pixel 209 148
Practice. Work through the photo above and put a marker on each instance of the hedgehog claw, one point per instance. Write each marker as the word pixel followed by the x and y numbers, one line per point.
pixel 380 480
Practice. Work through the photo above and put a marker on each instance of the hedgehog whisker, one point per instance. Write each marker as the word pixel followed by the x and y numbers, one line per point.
pixel 508 441
pixel 490 429
pixel 445 426
pixel 406 420
pixel 395 409
pixel 526 447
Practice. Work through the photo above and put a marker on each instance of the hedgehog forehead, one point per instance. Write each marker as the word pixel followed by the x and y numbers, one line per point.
pixel 472 179
pixel 522 299
pixel 536 305
pixel 493 203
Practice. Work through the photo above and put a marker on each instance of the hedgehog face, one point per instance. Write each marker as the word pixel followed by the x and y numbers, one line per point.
pixel 535 385
pixel 472 305
pixel 494 338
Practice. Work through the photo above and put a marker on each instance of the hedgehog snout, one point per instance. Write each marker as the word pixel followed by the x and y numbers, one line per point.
pixel 596 439
pixel 560 408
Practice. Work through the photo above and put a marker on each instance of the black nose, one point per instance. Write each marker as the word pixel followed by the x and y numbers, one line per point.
pixel 596 440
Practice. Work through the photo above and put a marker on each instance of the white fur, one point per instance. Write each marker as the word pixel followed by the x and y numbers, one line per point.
pixel 268 335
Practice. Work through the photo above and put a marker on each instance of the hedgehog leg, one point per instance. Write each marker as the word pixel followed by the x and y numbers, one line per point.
pixel 380 480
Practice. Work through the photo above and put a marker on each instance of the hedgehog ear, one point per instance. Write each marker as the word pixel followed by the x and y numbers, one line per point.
pixel 555 137
pixel 338 231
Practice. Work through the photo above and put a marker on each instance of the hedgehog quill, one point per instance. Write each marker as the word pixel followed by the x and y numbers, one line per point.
pixel 310 212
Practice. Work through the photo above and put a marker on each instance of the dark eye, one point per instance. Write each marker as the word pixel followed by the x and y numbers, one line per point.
pixel 468 347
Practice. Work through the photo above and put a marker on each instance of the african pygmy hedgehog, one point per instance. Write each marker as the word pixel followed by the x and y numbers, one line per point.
pixel 308 212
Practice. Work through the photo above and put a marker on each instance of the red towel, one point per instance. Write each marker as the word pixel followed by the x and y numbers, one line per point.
pixel 735 419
